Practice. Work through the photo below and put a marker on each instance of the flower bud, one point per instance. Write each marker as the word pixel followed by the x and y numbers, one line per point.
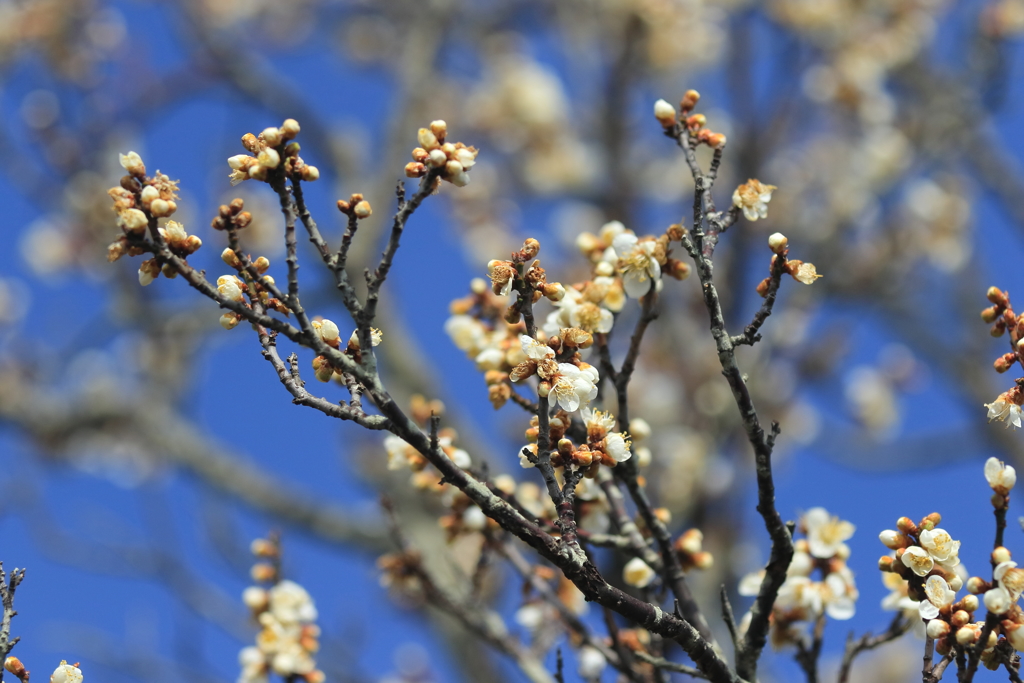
pixel 132 163
pixel 263 572
pixel 290 128
pixel 415 169
pixel 777 242
pixel 996 296
pixel 437 158
pixel 1000 555
pixel 363 209
pixel 15 667
pixel 937 629
pixel 310 173
pixel 427 140
pixel 134 220
pixel 689 101
pixel 665 113
pixel 272 136
pixel 637 573
pixel 440 129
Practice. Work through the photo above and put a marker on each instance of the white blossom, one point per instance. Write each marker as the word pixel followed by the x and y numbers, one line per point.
pixel 574 386
pixel 1000 476
pixel 826 533
pixel 535 350
pixel 637 264
pixel 290 603
pixel 941 546
pixel 998 600
pixel 753 197
pixel 918 560
pixel 617 447
pixel 66 673
pixel 1004 410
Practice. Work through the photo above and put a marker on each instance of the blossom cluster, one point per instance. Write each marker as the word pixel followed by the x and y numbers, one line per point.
pixel 823 553
pixel 289 636
pixel 139 200
pixel 694 124
pixel 452 160
pixel 1007 406
pixel 274 148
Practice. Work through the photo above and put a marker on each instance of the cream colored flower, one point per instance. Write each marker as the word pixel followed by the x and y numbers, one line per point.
pixel 804 272
pixel 826 533
pixel 753 197
pixel 941 546
pixel 918 560
pixel 940 595
pixel 617 446
pixel 640 270
pixel 291 604
pixel 1004 410
pixel 1000 476
pixel 534 349
pixel 574 386
pixel 66 673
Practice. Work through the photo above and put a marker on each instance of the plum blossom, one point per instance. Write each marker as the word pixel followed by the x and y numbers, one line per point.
pixel 573 386
pixel 638 573
pixel 66 673
pixel 918 560
pixel 535 350
pixel 1000 476
pixel 1005 410
pixel 637 263
pixel 826 533
pixel 753 197
pixel 940 595
pixel 941 546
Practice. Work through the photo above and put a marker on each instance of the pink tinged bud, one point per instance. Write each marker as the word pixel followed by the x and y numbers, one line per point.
pixel 937 629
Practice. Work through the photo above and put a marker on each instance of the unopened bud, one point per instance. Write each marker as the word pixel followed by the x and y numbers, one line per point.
pixel 677 269
pixel 777 242
pixel 262 264
pixel 440 130
pixel 263 572
pixel 1004 362
pixel 907 526
pixel 689 101
pixel 363 209
pixel 990 314
pixel 996 296
pixel 290 128
pixel 531 248
pixel 762 287
pixel 977 585
pixel 1001 554
pixel 272 136
pixel 437 158
pixel 665 113
pixel 415 169
pixel 310 173
pixel 427 139
pixel 937 629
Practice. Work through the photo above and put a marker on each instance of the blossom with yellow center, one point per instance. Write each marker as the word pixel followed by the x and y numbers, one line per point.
pixel 753 197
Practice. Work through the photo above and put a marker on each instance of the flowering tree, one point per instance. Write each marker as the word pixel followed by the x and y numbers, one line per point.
pixel 607 375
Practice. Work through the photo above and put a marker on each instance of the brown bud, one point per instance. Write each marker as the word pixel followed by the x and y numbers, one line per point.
pixel 237 204
pixel 225 211
pixel 885 563
pixel 677 269
pixel 261 547
pixel 907 526
pixel 344 206
pixel 218 223
pixel 1004 362
pixel 997 296
pixel 494 377
pixel 990 314
pixel 243 219
pixel 696 121
pixel 999 329
pixel 531 248
pixel 689 101
pixel 674 232
pixel 512 314
pixel 414 169
pixel 499 394
pixel 762 287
